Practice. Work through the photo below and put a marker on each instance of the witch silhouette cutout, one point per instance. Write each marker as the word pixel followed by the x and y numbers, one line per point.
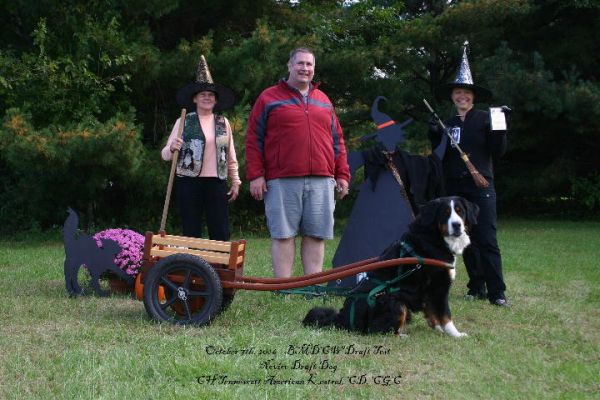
pixel 396 183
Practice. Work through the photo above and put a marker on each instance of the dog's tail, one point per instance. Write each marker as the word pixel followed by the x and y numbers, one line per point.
pixel 320 316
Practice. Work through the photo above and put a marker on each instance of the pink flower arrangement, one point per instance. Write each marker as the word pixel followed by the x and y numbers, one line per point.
pixel 132 245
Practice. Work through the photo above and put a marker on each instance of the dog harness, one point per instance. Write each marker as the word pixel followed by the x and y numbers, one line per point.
pixel 383 287
pixel 359 292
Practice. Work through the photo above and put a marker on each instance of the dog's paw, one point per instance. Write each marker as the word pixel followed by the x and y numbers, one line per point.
pixel 401 335
pixel 451 330
pixel 459 335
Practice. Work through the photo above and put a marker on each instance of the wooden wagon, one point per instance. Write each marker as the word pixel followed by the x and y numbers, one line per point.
pixel 190 281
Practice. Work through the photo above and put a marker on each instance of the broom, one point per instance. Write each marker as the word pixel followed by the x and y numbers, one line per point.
pixel 163 220
pixel 480 181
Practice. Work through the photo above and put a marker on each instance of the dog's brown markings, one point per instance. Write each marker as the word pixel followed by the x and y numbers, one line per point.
pixel 434 320
pixel 443 229
pixel 431 318
pixel 402 317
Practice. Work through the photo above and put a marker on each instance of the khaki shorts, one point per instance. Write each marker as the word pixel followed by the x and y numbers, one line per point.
pixel 302 205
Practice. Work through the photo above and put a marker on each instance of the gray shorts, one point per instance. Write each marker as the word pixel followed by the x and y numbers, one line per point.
pixel 302 205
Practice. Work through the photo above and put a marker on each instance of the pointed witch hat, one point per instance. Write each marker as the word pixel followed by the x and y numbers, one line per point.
pixel 464 79
pixel 389 133
pixel 204 82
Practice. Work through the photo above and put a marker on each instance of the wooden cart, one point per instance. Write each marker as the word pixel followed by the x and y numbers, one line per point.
pixel 190 281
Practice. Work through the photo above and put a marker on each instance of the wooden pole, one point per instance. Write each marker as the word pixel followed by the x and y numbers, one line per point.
pixel 480 181
pixel 163 220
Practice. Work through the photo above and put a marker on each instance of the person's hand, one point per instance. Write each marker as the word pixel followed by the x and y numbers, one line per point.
pixel 176 145
pixel 434 127
pixel 341 187
pixel 507 115
pixel 257 187
pixel 234 191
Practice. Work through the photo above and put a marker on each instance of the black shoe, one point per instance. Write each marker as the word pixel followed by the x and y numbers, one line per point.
pixel 500 303
pixel 475 295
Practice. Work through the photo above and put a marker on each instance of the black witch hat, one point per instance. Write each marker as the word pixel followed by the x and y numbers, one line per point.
pixel 389 133
pixel 464 79
pixel 204 82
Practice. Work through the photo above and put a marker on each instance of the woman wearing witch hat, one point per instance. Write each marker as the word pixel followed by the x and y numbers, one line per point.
pixel 471 131
pixel 206 157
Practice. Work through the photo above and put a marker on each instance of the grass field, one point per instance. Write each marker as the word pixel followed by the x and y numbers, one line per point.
pixel 547 346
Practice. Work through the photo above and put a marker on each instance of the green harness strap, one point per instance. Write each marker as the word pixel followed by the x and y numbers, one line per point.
pixel 384 285
pixel 372 295
pixel 318 290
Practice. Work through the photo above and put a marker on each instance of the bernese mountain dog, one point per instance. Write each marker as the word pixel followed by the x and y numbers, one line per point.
pixel 440 231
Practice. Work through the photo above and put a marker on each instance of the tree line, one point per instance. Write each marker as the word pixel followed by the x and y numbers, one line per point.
pixel 87 91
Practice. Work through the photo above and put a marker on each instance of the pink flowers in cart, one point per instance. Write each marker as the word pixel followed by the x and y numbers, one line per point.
pixel 129 259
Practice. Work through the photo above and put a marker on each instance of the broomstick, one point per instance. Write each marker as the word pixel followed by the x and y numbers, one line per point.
pixel 163 220
pixel 480 181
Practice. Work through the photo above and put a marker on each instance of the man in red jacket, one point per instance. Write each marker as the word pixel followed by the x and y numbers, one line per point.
pixel 296 161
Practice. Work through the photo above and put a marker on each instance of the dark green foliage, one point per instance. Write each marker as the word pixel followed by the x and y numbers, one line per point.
pixel 87 91
pixel 85 165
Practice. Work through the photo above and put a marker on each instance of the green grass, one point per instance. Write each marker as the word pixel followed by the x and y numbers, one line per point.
pixel 545 347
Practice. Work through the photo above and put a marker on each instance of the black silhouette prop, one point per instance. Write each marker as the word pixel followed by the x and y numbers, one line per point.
pixel 387 199
pixel 82 250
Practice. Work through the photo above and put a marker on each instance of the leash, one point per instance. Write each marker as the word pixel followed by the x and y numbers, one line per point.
pixel 316 291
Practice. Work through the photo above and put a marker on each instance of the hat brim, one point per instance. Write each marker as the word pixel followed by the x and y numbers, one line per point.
pixel 481 93
pixel 225 96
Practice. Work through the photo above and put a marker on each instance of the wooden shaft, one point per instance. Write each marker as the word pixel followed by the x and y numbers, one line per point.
pixel 480 181
pixel 163 220
pixel 254 279
pixel 336 273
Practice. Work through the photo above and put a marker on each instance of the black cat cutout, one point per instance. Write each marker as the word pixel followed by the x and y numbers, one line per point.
pixel 82 250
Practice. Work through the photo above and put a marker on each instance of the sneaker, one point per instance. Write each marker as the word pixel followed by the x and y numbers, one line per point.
pixel 475 295
pixel 500 303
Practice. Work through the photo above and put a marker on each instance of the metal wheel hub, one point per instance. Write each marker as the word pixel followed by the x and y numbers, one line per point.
pixel 181 294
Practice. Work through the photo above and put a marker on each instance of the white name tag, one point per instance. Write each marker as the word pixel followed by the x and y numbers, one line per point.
pixel 497 119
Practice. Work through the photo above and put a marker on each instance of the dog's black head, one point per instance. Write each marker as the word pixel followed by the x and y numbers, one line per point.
pixel 452 217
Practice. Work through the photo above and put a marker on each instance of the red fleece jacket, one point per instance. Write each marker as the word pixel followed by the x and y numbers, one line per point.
pixel 287 137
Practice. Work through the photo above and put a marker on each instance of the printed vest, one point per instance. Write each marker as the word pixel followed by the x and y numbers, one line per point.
pixel 191 154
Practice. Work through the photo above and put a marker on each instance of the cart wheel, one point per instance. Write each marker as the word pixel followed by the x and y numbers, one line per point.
pixel 227 299
pixel 192 288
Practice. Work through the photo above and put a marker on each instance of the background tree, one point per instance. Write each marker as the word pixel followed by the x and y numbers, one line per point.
pixel 103 75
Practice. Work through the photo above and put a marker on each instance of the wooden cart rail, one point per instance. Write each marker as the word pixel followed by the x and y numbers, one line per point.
pixel 229 254
pixel 266 284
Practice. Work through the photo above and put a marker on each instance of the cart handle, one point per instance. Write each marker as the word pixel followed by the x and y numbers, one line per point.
pixel 337 273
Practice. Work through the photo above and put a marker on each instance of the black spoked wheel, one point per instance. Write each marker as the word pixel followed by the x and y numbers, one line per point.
pixel 192 290
pixel 228 297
